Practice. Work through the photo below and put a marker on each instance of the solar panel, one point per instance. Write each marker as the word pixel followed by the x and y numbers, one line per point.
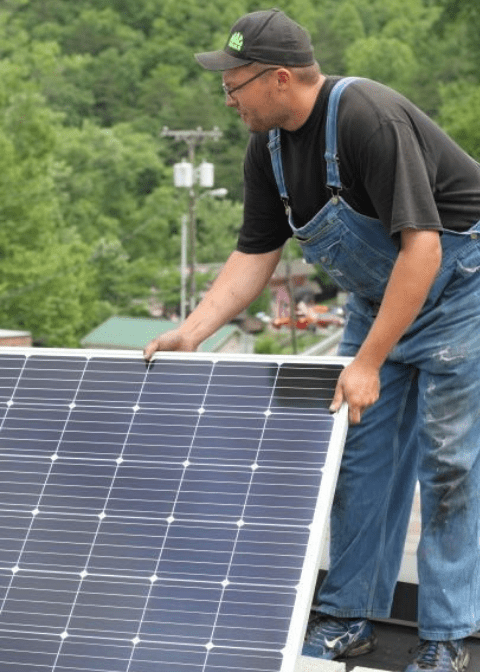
pixel 165 517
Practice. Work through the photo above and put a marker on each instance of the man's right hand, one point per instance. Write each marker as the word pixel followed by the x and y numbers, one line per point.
pixel 170 340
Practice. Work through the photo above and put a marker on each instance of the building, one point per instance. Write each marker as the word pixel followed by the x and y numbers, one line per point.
pixel 133 333
pixel 10 337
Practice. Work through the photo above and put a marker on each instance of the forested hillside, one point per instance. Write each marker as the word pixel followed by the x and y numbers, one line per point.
pixel 89 217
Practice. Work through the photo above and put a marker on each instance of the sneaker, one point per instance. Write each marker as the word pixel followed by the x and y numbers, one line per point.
pixel 440 656
pixel 331 638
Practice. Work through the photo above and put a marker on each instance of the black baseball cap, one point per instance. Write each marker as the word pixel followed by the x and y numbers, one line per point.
pixel 267 36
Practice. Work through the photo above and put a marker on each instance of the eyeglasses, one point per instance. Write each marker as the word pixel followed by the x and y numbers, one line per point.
pixel 229 92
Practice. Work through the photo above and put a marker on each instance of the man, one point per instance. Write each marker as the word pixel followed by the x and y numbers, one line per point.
pixel 390 206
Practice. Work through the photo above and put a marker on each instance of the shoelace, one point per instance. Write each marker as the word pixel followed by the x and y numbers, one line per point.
pixel 428 653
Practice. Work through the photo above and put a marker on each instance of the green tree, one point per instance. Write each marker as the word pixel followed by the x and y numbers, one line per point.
pixel 390 48
pixel 94 31
pixel 45 277
pixel 120 282
pixel 218 223
pixel 109 174
pixel 347 23
pixel 459 114
pixel 385 59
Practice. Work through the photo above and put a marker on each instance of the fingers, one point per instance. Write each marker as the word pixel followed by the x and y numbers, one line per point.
pixel 358 386
pixel 355 414
pixel 354 411
pixel 171 340
pixel 167 341
pixel 337 400
pixel 359 403
pixel 150 350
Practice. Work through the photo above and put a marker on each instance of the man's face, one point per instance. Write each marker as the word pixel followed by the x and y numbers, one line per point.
pixel 256 98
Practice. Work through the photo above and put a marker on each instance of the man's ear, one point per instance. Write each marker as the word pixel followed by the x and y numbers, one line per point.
pixel 284 78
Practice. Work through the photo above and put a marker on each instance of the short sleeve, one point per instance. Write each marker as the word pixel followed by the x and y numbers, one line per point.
pixel 265 225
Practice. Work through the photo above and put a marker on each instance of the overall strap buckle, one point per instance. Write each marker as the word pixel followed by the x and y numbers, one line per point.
pixel 286 205
pixel 334 193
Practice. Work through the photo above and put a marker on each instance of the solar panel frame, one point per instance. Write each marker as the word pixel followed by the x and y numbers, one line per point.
pixel 244 407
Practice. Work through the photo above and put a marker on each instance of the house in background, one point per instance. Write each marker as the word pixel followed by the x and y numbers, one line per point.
pixel 305 286
pixel 133 333
pixel 13 338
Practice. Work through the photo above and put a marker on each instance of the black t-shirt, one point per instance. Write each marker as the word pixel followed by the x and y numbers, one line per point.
pixel 396 165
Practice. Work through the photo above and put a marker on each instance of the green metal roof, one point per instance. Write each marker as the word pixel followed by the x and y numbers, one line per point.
pixel 133 333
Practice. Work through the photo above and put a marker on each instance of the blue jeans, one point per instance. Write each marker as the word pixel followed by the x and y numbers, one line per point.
pixel 425 426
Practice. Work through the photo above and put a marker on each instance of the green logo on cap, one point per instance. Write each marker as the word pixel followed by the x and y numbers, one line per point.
pixel 236 42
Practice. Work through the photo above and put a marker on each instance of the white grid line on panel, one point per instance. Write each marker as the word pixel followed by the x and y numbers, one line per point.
pixel 20 377
pixel 82 577
pixel 170 520
pixel 240 524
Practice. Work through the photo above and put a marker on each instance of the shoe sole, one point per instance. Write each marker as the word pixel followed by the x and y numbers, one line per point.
pixel 359 648
pixel 465 662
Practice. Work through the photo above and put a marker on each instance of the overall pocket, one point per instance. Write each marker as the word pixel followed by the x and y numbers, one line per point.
pixel 353 264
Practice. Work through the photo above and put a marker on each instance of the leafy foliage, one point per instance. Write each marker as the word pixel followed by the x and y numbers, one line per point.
pixel 45 276
pixel 90 220
pixel 459 115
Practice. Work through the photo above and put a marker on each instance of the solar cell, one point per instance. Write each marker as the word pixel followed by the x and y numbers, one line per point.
pixel 165 517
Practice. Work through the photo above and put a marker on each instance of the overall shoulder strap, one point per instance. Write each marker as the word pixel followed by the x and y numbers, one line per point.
pixel 331 155
pixel 333 173
pixel 277 166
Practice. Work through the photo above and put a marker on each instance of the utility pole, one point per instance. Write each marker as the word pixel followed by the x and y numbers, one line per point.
pixel 291 296
pixel 192 138
pixel 183 266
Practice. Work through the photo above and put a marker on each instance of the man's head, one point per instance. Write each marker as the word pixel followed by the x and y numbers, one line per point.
pixel 269 70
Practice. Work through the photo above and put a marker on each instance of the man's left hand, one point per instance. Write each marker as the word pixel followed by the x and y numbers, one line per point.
pixel 359 386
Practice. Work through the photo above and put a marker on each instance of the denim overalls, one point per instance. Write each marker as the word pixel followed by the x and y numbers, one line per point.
pixel 426 424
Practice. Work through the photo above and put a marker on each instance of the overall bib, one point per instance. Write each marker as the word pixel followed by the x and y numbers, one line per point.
pixel 425 426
